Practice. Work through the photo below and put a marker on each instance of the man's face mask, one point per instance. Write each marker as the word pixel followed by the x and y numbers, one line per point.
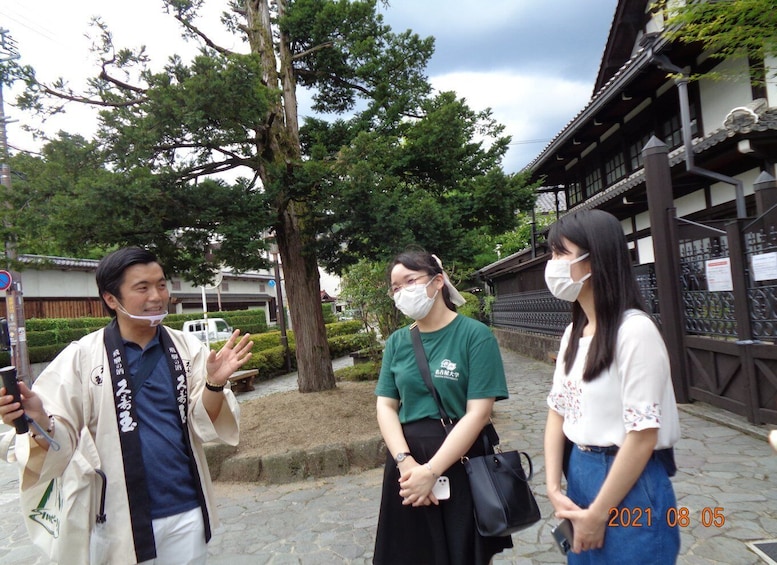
pixel 154 320
pixel 558 277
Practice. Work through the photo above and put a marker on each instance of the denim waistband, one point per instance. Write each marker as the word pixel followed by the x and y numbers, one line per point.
pixel 664 456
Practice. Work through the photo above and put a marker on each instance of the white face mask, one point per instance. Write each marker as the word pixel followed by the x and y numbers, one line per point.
pixel 413 301
pixel 558 277
pixel 154 320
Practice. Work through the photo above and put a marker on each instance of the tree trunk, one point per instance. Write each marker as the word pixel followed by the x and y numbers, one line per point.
pixel 300 267
pixel 300 271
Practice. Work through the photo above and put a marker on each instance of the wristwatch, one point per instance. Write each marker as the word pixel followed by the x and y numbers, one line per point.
pixel 402 456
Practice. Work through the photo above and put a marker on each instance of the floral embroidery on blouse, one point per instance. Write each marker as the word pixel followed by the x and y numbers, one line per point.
pixel 636 418
pixel 567 400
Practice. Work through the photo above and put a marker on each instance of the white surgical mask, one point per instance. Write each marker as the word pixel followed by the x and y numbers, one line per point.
pixel 413 301
pixel 558 277
pixel 154 320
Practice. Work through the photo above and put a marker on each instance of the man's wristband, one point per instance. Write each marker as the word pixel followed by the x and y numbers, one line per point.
pixel 213 386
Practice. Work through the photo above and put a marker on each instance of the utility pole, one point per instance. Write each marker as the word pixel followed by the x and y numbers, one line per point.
pixel 14 302
pixel 281 312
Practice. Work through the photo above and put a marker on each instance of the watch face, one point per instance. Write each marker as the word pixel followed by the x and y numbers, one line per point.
pixel 401 457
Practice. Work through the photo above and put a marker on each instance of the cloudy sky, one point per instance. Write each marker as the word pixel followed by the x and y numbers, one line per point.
pixel 533 62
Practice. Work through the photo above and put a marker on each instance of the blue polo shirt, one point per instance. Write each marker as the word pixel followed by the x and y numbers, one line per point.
pixel 171 486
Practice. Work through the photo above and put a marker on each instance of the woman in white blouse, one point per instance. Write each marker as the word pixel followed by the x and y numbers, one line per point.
pixel 611 403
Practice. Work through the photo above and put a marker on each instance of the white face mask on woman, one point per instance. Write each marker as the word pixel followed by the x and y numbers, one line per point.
pixel 413 301
pixel 558 277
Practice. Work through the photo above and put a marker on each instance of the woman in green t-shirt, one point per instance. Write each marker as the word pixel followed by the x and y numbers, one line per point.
pixel 415 526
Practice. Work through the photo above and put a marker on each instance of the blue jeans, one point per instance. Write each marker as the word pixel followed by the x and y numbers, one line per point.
pixel 638 532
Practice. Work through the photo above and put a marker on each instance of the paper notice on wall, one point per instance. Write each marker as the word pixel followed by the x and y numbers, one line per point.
pixel 765 266
pixel 719 275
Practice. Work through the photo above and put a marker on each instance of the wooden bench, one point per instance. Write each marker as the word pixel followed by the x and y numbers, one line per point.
pixel 243 381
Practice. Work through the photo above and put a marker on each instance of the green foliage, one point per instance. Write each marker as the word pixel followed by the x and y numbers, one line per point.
pixel 734 29
pixel 269 362
pixel 364 286
pixel 368 371
pixel 345 344
pixel 266 340
pixel 505 244
pixel 424 182
pixel 328 312
pixel 343 328
pixel 471 308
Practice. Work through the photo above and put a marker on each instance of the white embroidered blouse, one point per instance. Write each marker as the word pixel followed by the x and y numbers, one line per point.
pixel 635 393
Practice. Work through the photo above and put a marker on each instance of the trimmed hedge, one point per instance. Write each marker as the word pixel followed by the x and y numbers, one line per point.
pixel 368 371
pixel 344 328
pixel 51 336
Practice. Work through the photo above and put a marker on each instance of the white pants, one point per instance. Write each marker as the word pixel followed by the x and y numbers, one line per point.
pixel 180 540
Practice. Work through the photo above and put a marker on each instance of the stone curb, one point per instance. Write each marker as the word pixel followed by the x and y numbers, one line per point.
pixel 227 464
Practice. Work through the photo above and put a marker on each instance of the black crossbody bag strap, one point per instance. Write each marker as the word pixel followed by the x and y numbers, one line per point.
pixel 423 366
pixel 489 435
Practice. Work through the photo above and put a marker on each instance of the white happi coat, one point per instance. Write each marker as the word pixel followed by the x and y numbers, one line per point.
pixel 76 389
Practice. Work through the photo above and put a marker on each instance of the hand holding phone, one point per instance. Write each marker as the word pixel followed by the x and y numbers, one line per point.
pixel 442 488
pixel 12 388
pixel 564 535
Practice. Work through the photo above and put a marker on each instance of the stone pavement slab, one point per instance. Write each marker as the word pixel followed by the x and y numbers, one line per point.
pixel 726 472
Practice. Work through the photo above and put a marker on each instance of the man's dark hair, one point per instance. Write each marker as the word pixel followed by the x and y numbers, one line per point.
pixel 110 270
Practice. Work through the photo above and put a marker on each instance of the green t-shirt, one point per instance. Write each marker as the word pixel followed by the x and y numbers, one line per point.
pixel 464 362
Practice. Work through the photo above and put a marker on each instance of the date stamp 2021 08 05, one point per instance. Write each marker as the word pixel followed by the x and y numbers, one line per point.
pixel 676 516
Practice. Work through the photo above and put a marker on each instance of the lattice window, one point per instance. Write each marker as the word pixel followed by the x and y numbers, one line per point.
pixel 575 193
pixel 593 181
pixel 615 168
pixel 635 151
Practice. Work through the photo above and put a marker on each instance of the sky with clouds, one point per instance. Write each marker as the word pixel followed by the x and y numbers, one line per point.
pixel 533 62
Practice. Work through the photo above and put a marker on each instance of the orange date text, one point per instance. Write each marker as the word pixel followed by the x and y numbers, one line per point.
pixel 675 517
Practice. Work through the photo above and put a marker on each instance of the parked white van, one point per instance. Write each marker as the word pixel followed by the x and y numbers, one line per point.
pixel 212 329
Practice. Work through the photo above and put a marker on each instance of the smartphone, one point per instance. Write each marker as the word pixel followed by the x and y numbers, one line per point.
pixel 563 535
pixel 12 388
pixel 442 488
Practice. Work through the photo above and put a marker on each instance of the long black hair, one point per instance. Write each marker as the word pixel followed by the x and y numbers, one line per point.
pixel 417 259
pixel 615 288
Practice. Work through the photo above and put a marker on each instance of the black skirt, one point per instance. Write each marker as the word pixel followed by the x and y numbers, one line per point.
pixel 426 535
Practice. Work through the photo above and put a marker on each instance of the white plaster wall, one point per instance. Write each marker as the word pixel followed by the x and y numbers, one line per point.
pixel 642 221
pixel 645 250
pixel 719 97
pixel 59 284
pixel 690 203
pixel 722 192
pixel 771 82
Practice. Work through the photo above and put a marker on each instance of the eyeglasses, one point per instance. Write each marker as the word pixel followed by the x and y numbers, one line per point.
pixel 410 285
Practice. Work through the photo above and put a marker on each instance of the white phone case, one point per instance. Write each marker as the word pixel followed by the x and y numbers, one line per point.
pixel 442 488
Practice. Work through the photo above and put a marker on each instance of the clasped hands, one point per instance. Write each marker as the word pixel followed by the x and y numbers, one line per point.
pixel 415 484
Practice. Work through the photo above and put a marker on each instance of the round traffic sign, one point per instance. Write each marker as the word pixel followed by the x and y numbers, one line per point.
pixel 5 280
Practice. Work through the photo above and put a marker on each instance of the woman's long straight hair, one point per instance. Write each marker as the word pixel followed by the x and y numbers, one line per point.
pixel 615 288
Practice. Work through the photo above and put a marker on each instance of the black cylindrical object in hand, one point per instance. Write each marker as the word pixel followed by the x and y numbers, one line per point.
pixel 12 388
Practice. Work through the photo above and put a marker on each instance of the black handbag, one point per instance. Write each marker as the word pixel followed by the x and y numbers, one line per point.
pixel 502 497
